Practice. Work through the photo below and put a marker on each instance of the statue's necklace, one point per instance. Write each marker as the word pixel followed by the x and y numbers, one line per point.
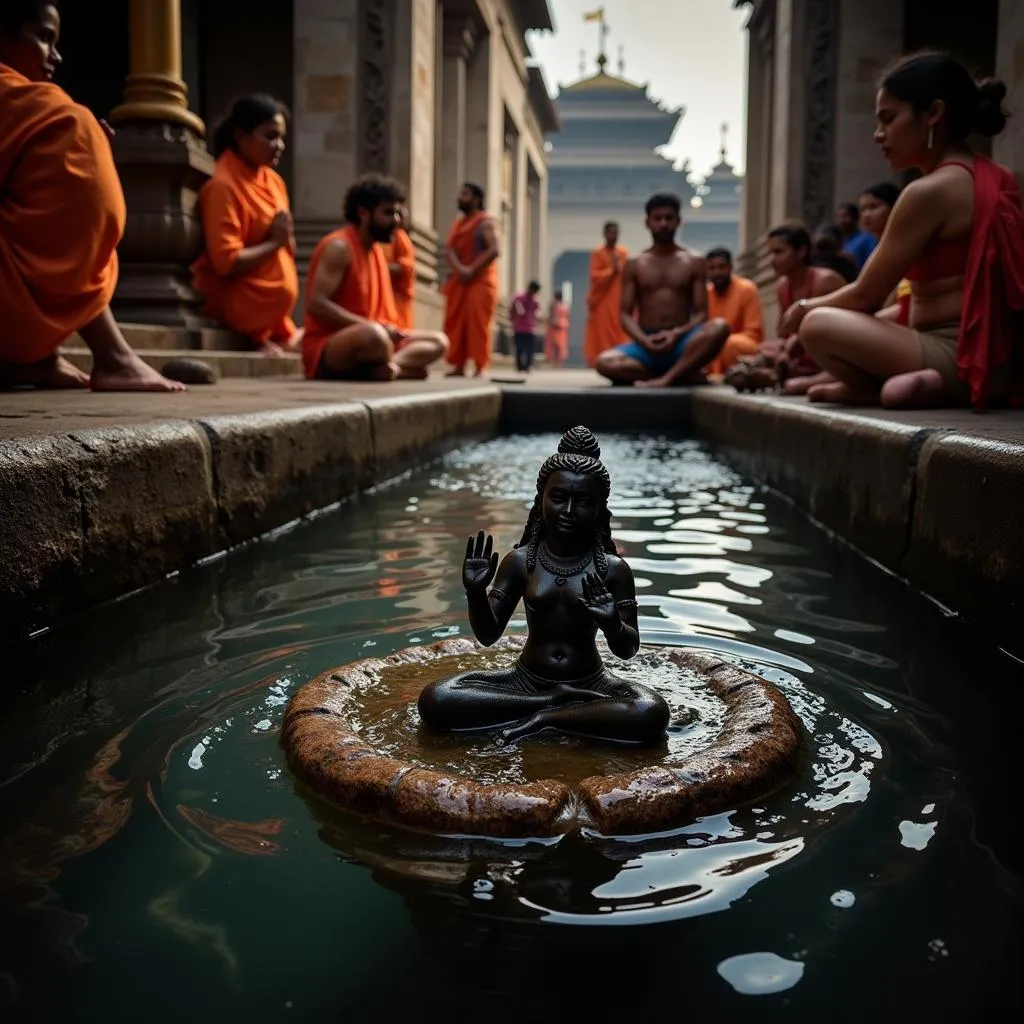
pixel 560 573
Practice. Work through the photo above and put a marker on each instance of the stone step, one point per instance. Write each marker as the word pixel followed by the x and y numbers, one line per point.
pixel 223 364
pixel 152 338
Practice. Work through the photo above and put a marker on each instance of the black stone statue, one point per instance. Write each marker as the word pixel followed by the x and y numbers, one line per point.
pixel 567 573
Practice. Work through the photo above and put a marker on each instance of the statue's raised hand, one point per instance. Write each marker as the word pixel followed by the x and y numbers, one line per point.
pixel 598 600
pixel 481 562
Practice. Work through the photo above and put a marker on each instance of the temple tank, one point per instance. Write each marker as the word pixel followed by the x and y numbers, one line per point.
pixel 158 860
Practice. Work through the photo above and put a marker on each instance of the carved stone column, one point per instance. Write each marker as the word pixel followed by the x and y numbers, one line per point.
pixel 821 71
pixel 163 162
pixel 457 48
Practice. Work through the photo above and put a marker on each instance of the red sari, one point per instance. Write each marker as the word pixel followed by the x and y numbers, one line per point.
pixel 992 316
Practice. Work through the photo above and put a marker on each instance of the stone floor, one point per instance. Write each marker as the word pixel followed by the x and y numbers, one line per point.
pixel 31 413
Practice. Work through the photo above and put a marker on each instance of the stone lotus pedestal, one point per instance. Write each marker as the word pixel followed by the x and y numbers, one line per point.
pixel 351 736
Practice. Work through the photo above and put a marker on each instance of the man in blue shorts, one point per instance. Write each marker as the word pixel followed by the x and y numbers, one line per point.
pixel 664 310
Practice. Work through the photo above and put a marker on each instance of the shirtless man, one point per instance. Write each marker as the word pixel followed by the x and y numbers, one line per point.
pixel 664 310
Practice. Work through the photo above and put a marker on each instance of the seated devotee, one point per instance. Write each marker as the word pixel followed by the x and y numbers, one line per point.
pixel 524 325
pixel 247 272
pixel 827 251
pixel 955 234
pixel 782 359
pixel 876 203
pixel 62 215
pixel 735 300
pixel 664 310
pixel 556 337
pixel 856 243
pixel 352 331
pixel 401 257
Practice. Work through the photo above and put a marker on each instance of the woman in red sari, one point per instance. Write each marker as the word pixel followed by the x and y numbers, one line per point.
pixel 955 234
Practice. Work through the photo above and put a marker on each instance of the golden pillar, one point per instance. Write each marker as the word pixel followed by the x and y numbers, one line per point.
pixel 163 162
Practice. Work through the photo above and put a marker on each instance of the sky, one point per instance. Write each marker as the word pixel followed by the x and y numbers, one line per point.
pixel 692 53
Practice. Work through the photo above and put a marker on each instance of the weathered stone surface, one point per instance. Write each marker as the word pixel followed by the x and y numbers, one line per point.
pixel 95 514
pixel 410 429
pixel 967 542
pixel 271 468
pixel 854 474
pixel 758 749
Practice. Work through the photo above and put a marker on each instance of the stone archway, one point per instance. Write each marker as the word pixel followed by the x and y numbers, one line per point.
pixel 573 268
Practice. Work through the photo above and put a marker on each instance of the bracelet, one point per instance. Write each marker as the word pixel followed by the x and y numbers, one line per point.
pixel 626 602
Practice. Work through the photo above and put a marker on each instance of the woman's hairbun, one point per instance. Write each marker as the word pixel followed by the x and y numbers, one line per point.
pixel 991 117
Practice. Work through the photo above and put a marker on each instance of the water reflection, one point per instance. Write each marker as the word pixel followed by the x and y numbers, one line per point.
pixel 214 863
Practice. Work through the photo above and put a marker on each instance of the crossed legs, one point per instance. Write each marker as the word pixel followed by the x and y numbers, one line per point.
pixel 366 352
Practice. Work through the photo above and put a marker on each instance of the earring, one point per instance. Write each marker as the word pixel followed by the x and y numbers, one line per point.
pixel 931 136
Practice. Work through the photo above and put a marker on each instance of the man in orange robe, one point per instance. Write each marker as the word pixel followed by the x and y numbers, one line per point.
pixel 401 257
pixel 737 301
pixel 471 290
pixel 604 327
pixel 352 330
pixel 62 214
pixel 247 272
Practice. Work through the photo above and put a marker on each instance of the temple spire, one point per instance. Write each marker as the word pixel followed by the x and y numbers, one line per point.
pixel 725 135
pixel 598 16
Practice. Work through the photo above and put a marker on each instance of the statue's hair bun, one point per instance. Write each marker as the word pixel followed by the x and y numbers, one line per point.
pixel 579 441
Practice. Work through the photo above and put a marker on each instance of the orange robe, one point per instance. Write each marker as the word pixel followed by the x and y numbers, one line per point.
pixel 556 339
pixel 364 290
pixel 400 250
pixel 237 205
pixel 604 323
pixel 62 214
pixel 471 305
pixel 740 308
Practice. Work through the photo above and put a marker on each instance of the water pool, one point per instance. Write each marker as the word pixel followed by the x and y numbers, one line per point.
pixel 158 863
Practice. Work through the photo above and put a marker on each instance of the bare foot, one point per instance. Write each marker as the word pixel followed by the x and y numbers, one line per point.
pixel 841 394
pixel 270 349
pixel 654 382
pixel 130 373
pixel 922 389
pixel 53 372
pixel 801 385
pixel 479 372
pixel 513 733
pixel 459 371
pixel 411 372
pixel 383 372
pixel 294 343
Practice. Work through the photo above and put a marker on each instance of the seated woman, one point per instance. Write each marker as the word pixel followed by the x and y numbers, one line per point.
pixel 566 571
pixel 62 214
pixel 783 359
pixel 955 234
pixel 247 271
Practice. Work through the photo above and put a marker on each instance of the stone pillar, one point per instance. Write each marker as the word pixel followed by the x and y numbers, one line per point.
pixel 451 111
pixel 479 166
pixel 163 162
pixel 540 231
pixel 412 156
pixel 752 197
pixel 521 221
pixel 324 129
pixel 1008 148
pixel 870 37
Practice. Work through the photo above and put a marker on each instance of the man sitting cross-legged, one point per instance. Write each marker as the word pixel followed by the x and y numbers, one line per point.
pixel 664 310
pixel 351 318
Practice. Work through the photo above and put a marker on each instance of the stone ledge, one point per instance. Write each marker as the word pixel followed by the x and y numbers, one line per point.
pixel 853 473
pixel 967 542
pixel 93 514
